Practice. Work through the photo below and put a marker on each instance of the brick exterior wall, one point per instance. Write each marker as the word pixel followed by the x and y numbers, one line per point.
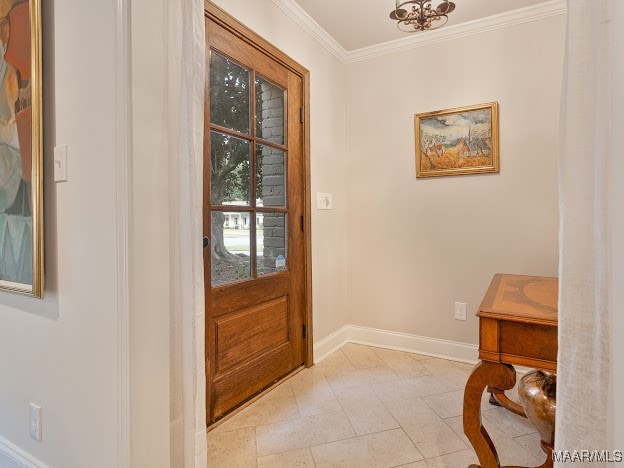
pixel 272 166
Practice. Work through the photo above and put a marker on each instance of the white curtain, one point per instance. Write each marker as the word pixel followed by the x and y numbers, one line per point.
pixel 586 157
pixel 186 39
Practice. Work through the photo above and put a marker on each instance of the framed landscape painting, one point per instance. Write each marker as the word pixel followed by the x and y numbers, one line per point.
pixel 457 141
pixel 21 203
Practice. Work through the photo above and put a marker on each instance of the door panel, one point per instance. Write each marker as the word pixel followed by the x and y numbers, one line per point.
pixel 233 388
pixel 254 177
pixel 251 332
pixel 227 300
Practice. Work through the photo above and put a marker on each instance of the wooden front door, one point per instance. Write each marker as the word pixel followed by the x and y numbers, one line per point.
pixel 254 218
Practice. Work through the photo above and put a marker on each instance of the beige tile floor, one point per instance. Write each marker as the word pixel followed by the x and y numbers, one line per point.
pixel 368 407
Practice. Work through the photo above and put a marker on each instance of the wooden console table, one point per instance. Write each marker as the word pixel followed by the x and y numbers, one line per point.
pixel 517 326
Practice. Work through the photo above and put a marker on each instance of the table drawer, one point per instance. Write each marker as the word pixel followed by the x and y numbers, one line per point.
pixel 528 340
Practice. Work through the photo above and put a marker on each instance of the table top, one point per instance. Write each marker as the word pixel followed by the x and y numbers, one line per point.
pixel 519 298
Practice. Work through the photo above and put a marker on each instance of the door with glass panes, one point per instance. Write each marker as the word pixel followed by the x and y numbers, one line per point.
pixel 253 216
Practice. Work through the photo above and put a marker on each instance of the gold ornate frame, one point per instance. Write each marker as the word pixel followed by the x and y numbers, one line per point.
pixel 36 286
pixel 438 154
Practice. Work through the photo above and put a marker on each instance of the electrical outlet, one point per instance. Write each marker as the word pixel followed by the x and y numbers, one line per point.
pixel 35 422
pixel 460 311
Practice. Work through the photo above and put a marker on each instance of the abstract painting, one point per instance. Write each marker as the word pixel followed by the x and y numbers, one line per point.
pixel 457 141
pixel 21 236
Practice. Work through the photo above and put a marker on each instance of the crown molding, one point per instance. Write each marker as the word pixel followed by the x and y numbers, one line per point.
pixel 490 23
pixel 315 30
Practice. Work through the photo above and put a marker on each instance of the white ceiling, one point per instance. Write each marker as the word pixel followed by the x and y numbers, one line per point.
pixel 356 24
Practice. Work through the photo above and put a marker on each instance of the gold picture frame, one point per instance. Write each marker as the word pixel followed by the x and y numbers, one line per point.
pixel 457 141
pixel 21 160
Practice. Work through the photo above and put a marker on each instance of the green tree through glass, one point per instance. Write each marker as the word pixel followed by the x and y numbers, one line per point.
pixel 229 156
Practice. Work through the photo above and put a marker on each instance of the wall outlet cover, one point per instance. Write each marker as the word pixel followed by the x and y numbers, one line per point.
pixel 460 311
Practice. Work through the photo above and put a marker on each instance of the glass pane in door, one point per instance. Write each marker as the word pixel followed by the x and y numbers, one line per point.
pixel 229 94
pixel 270 100
pixel 270 176
pixel 230 246
pixel 230 166
pixel 270 242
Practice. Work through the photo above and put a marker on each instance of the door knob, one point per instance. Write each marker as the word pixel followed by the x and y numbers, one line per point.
pixel 206 241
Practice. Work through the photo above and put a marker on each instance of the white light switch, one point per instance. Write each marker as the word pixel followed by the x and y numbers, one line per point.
pixel 324 201
pixel 60 163
pixel 35 421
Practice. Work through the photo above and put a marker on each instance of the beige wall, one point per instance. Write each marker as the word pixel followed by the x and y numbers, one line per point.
pixel 149 243
pixel 417 246
pixel 61 352
pixel 329 174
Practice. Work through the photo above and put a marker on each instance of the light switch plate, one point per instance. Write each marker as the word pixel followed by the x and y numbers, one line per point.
pixel 35 421
pixel 60 163
pixel 324 201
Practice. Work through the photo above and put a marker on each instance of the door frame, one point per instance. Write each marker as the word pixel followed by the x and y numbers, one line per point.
pixel 214 13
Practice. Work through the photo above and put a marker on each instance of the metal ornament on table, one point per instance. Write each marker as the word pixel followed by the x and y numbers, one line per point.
pixel 422 16
pixel 537 392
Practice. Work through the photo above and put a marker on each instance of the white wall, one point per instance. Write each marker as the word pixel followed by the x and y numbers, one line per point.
pixel 417 246
pixel 60 352
pixel 328 153
pixel 149 243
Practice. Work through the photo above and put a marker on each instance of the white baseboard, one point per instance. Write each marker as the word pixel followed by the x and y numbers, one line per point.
pixel 446 349
pixel 331 343
pixel 18 455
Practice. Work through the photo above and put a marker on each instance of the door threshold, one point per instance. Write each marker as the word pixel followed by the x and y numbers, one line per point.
pixel 254 398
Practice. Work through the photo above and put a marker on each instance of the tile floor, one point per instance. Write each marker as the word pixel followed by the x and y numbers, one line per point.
pixel 368 407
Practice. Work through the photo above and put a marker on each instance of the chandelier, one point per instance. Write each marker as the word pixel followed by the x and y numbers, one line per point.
pixel 422 16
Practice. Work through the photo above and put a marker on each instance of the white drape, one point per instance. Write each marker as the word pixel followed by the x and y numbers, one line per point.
pixel 586 156
pixel 617 234
pixel 186 37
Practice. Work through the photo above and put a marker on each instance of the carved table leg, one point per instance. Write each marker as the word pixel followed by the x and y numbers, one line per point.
pixel 492 399
pixel 498 398
pixel 500 376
